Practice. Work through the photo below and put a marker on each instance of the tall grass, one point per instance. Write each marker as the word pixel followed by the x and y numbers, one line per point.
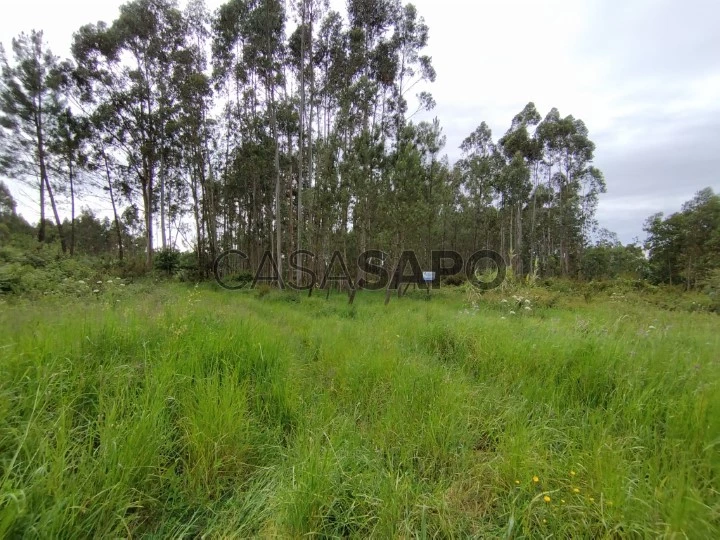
pixel 185 412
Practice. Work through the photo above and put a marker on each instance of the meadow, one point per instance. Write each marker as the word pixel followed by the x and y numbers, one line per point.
pixel 167 410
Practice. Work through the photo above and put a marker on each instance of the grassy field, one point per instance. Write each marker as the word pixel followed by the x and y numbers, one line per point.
pixel 166 410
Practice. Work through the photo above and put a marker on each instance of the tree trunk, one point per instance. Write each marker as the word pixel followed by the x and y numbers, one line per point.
pixel 63 243
pixel 162 204
pixel 147 183
pixel 114 207
pixel 298 276
pixel 276 160
pixel 72 210
pixel 41 227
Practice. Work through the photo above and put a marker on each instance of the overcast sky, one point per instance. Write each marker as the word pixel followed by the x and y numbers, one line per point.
pixel 644 75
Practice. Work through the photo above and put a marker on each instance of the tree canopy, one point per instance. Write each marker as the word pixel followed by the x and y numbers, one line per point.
pixel 266 126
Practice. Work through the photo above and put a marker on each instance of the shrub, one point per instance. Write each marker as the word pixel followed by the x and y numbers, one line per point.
pixel 167 260
pixel 189 268
pixel 132 268
pixel 10 278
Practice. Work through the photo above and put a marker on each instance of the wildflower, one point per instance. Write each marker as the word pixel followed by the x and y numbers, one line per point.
pixel 544 520
pixel 503 318
pixel 651 327
pixel 109 280
pixel 527 308
pixel 592 500
pixel 122 284
pixel 547 498
pixel 512 313
pixel 572 473
pixel 96 291
pixel 562 501
pixel 517 481
pixel 576 490
pixel 81 282
pixel 536 479
pixel 99 282
pixel 503 301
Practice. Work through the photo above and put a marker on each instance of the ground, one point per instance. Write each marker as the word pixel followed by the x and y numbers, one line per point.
pixel 173 410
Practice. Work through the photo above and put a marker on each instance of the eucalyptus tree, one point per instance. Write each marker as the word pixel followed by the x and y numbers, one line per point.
pixel 430 141
pixel 31 102
pixel 68 145
pixel 568 154
pixel 123 70
pixel 248 61
pixel 410 37
pixel 479 168
pixel 523 153
pixel 194 129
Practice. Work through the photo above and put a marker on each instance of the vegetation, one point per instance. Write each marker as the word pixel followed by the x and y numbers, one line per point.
pixel 580 399
pixel 181 411
pixel 257 127
pixel 685 247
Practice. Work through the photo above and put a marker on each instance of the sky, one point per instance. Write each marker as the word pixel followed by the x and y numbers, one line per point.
pixel 644 76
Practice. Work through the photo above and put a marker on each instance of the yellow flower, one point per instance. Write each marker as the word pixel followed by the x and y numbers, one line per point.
pixel 517 481
pixel 562 501
pixel 576 490
pixel 572 473
pixel 592 500
pixel 536 479
pixel 609 503
pixel 544 520
pixel 546 498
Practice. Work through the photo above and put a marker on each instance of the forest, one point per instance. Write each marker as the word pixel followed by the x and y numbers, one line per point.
pixel 273 126
pixel 283 127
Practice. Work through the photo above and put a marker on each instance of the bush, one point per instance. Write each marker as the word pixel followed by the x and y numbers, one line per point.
pixel 189 268
pixel 132 268
pixel 167 260
pixel 10 278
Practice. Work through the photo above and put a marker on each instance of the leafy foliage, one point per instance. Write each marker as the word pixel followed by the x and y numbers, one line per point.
pixel 167 260
pixel 685 247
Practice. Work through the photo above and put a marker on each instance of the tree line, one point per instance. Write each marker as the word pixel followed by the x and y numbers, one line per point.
pixel 280 126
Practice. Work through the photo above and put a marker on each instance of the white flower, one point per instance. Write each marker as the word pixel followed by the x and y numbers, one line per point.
pixel 109 280
pixel 651 327
pixel 81 282
pixel 527 308
pixel 96 291
pixel 502 318
pixel 99 282
pixel 512 313
pixel 122 284
pixel 503 301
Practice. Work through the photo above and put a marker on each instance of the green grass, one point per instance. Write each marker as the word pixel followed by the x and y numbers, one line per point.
pixel 171 411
